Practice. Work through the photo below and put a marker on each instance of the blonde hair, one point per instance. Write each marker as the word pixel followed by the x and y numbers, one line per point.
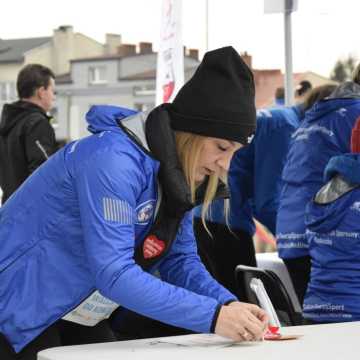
pixel 356 74
pixel 189 147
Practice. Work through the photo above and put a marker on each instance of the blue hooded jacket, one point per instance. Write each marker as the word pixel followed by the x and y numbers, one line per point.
pixel 333 235
pixel 325 132
pixel 254 176
pixel 72 227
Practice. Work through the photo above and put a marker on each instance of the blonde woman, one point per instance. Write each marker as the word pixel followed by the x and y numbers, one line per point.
pixel 85 232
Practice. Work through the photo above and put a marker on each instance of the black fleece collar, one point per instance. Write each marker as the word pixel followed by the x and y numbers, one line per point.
pixel 176 194
pixel 161 141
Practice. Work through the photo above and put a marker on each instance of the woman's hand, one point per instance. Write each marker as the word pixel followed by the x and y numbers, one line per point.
pixel 241 322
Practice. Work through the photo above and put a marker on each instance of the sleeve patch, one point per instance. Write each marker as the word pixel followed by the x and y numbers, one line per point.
pixel 117 211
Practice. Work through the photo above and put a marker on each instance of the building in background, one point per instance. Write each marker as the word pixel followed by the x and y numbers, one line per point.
pixel 127 78
pixel 268 80
pixel 91 73
pixel 55 52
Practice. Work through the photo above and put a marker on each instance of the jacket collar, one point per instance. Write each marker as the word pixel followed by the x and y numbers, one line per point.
pixel 347 165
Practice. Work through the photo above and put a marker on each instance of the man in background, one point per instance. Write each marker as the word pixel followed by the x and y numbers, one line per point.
pixel 279 96
pixel 26 137
pixel 302 90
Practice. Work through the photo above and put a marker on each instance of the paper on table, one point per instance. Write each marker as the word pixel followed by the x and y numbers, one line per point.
pixel 202 340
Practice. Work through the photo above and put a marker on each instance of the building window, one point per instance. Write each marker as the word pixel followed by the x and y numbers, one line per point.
pixel 97 75
pixel 146 90
pixel 7 91
pixel 143 107
pixel 54 117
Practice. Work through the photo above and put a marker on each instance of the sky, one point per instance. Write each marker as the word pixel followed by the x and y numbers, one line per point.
pixel 322 30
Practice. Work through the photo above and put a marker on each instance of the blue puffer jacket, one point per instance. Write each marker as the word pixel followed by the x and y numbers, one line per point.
pixel 254 177
pixel 325 132
pixel 72 227
pixel 333 235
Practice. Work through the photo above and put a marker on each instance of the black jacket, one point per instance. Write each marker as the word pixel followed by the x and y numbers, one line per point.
pixel 26 140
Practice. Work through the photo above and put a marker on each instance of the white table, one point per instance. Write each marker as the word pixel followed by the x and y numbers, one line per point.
pixel 329 342
pixel 271 261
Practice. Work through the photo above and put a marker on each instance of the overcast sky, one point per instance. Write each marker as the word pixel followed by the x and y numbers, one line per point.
pixel 323 30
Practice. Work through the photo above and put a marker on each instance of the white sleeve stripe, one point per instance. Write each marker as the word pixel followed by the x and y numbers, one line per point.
pixel 104 209
pixel 110 210
pixel 113 211
pixel 117 211
pixel 121 212
pixel 42 149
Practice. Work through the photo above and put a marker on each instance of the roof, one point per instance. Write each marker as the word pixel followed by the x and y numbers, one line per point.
pixel 12 51
pixel 146 75
pixel 151 74
pixel 63 79
pixel 110 57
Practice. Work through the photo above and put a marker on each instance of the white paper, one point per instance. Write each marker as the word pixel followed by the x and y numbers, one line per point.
pixel 198 340
pixel 92 310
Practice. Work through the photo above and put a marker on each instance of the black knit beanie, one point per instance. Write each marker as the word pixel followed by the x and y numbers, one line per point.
pixel 218 101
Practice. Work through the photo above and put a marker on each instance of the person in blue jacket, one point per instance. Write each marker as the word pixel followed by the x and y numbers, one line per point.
pixel 88 230
pixel 324 133
pixel 255 184
pixel 333 234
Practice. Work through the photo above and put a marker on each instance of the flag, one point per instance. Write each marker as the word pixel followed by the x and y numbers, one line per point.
pixel 170 61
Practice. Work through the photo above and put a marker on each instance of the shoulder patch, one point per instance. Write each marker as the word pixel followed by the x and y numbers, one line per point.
pixel 144 212
pixel 116 210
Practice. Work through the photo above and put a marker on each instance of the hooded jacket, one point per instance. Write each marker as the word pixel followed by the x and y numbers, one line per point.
pixel 333 234
pixel 26 141
pixel 325 132
pixel 73 226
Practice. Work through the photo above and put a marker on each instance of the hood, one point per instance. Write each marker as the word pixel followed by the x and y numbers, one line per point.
pixel 324 218
pixel 12 113
pixel 106 118
pixel 344 95
pixel 326 212
pixel 347 165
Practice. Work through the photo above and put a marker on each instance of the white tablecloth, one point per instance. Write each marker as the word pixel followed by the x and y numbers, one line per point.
pixel 328 342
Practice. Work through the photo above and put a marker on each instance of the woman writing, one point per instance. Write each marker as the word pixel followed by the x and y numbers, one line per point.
pixel 88 229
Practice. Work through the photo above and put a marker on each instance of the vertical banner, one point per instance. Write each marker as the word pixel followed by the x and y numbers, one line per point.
pixel 170 61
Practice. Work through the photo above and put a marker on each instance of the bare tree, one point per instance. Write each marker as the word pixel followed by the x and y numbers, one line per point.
pixel 343 69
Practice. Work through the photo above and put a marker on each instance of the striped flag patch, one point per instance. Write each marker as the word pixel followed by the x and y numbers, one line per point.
pixel 118 211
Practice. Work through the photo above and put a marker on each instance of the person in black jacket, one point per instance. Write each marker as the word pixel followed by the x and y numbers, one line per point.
pixel 26 137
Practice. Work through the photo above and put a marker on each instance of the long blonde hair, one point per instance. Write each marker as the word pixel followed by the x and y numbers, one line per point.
pixel 189 147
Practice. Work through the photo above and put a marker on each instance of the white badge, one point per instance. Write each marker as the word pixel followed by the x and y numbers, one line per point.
pixel 92 310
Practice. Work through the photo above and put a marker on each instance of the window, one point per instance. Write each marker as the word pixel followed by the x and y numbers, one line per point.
pixel 146 90
pixel 97 75
pixel 54 117
pixel 143 107
pixel 7 91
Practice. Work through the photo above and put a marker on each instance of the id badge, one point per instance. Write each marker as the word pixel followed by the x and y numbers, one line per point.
pixel 92 310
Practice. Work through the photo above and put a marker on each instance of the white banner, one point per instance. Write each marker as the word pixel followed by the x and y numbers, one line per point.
pixel 170 61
